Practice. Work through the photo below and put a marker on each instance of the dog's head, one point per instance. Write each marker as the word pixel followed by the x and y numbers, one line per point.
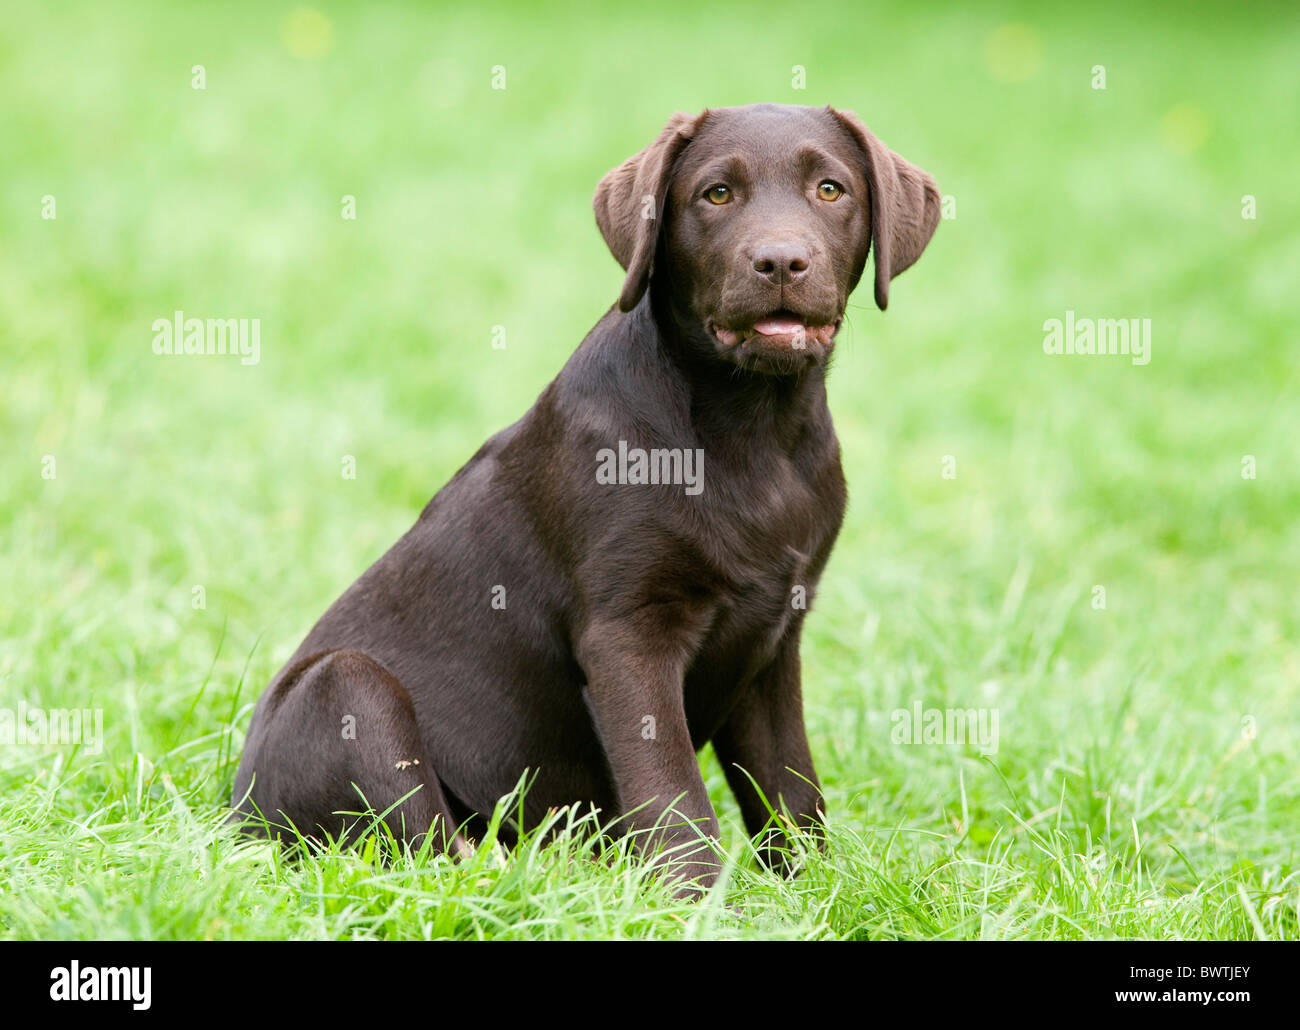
pixel 758 221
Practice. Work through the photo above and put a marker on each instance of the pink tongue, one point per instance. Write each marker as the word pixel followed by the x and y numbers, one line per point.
pixel 778 327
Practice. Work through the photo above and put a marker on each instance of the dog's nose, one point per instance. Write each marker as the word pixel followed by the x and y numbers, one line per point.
pixel 782 263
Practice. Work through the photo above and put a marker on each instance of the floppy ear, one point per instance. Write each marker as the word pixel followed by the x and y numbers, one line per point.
pixel 904 205
pixel 630 201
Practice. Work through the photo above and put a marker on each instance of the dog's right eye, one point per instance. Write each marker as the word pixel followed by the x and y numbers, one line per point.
pixel 718 194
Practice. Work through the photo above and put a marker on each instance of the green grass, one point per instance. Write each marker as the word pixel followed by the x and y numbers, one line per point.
pixel 1145 784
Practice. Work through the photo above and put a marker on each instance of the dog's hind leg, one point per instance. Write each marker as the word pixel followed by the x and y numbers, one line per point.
pixel 335 735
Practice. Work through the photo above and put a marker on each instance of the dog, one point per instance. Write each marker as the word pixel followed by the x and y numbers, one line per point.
pixel 622 576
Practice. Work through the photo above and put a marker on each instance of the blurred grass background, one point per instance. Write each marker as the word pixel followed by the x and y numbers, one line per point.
pixel 1146 782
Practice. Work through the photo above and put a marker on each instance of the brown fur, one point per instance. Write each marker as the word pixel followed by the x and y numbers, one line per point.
pixel 628 607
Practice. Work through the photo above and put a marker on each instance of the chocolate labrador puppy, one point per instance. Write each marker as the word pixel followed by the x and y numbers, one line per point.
pixel 622 575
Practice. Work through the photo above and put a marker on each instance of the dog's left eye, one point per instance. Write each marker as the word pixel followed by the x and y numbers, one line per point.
pixel 718 194
pixel 828 190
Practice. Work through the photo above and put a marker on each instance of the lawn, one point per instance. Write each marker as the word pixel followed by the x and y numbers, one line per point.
pixel 1100 554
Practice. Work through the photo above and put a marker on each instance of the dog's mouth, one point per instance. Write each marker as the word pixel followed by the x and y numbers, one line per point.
pixel 781 327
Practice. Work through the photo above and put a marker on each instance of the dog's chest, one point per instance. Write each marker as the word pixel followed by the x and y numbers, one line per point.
pixel 766 536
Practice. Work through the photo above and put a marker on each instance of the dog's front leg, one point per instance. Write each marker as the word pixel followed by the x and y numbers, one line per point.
pixel 634 689
pixel 763 745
